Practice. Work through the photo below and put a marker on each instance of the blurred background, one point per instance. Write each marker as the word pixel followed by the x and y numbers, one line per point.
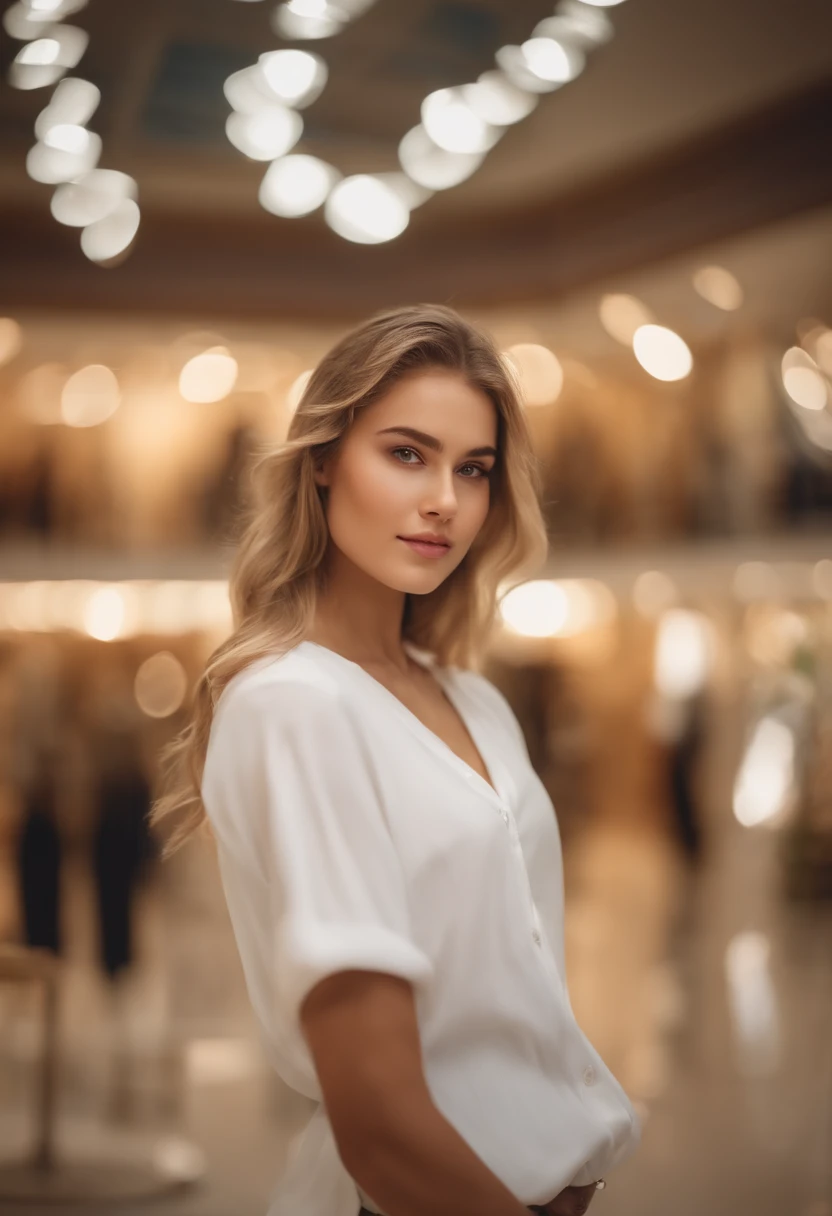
pixel 197 197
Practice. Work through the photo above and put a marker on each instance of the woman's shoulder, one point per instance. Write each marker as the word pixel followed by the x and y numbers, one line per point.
pixel 287 683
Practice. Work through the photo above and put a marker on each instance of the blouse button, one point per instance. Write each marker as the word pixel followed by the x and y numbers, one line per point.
pixel 589 1075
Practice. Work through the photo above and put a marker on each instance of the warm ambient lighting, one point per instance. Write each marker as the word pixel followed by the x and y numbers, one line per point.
pixel 297 388
pixel 538 371
pixel 11 339
pixel 545 608
pixel 209 376
pixel 622 315
pixel 682 656
pixel 719 287
pixel 662 353
pixel 90 396
pixel 765 782
pixel 160 685
pixel 653 593
pixel 802 379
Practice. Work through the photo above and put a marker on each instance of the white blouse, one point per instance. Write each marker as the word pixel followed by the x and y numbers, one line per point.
pixel 351 836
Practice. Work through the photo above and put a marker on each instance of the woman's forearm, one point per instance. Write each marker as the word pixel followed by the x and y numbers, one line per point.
pixel 416 1162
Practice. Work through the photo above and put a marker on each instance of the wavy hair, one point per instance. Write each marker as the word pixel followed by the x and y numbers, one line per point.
pixel 278 567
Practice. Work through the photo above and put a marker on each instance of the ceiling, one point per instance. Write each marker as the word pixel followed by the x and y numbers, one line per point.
pixel 699 121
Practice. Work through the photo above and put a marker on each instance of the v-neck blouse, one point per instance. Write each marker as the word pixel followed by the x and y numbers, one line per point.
pixel 350 836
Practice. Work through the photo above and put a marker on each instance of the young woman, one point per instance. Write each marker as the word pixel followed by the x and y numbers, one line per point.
pixel 390 859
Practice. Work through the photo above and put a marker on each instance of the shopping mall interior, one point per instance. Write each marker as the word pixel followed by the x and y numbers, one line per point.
pixel 634 197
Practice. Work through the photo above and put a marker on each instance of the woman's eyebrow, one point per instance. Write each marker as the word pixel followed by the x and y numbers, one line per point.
pixel 430 441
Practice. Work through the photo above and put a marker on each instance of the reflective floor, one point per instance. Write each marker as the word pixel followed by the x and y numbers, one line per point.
pixel 708 993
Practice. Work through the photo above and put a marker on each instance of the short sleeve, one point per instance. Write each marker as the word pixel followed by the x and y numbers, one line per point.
pixel 301 767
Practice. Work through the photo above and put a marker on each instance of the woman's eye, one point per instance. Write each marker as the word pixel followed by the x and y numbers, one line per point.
pixel 479 471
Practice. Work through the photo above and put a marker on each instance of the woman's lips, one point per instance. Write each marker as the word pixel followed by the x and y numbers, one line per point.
pixel 426 548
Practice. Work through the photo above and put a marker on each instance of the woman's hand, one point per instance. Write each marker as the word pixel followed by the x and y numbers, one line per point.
pixel 572 1201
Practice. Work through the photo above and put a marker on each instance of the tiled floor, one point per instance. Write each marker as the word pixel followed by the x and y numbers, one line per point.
pixel 710 997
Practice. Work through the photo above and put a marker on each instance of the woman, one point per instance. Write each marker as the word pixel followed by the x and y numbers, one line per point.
pixel 390 859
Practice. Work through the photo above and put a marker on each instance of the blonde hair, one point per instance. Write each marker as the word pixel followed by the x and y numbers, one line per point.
pixel 277 571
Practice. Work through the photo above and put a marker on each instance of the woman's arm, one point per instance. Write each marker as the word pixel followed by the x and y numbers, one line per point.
pixel 362 1030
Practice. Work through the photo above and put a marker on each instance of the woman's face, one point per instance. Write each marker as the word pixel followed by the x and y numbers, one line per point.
pixel 415 461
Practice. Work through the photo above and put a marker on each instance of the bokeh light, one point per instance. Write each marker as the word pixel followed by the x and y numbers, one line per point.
pixel 209 376
pixel 295 77
pixel 160 685
pixel 802 379
pixel 765 782
pixel 433 167
pixel 538 371
pixel 719 287
pixel 453 124
pixel 683 653
pixel 266 133
pixel 11 339
pixel 621 315
pixel 91 197
pixel 653 593
pixel 296 185
pixel 552 61
pixel 74 102
pixel 366 210
pixel 662 353
pixel 111 237
pixel 90 396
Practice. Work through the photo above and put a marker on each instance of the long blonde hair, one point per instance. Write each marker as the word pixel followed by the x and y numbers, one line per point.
pixel 277 571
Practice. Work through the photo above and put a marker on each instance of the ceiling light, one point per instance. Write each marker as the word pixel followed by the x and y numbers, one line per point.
pixel 453 125
pixel 296 185
pixel 514 64
pixel 74 102
pixel 91 197
pixel 247 90
pixel 583 27
pixel 366 210
pixel 552 60
pixel 266 134
pixel 306 19
pixel 662 353
pixel 296 77
pixel 51 164
pixel 110 237
pixel 497 100
pixel 433 167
